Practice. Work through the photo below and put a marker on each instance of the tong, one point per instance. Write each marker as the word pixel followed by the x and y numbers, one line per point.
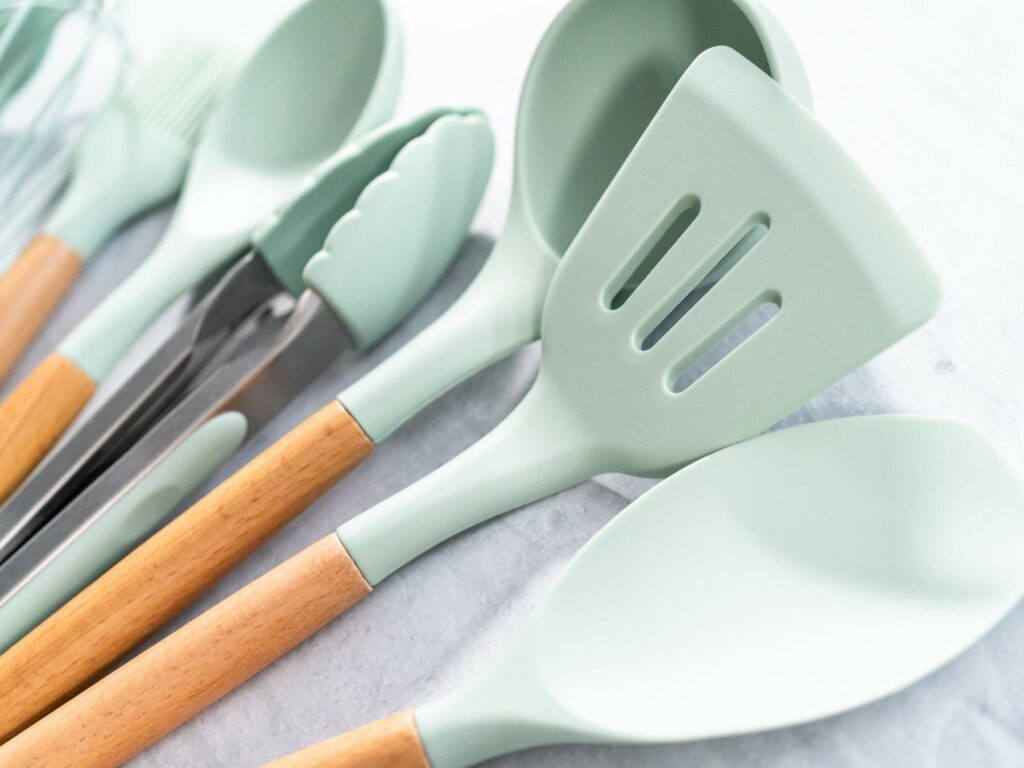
pixel 258 338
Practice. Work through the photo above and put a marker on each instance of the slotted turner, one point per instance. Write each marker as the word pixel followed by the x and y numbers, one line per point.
pixel 854 558
pixel 728 140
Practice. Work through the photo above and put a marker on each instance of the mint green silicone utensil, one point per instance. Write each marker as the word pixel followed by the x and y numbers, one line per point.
pixel 133 156
pixel 817 276
pixel 854 558
pixel 728 154
pixel 328 73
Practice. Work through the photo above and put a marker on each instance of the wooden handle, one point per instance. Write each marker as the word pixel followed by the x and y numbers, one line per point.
pixel 29 292
pixel 390 743
pixel 154 693
pixel 35 415
pixel 170 570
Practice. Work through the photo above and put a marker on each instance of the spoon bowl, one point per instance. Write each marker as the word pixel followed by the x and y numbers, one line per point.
pixel 599 76
pixel 855 557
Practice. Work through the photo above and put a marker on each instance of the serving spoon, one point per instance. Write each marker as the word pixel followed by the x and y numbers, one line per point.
pixel 729 154
pixel 328 73
pixel 855 557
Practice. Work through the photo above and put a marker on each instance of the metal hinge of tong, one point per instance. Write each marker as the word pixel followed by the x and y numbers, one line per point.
pixel 275 352
pixel 206 337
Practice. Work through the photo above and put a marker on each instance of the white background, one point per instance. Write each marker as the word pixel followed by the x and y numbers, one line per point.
pixel 928 97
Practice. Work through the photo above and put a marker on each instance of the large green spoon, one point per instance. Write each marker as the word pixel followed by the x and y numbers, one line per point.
pixel 328 73
pixel 783 580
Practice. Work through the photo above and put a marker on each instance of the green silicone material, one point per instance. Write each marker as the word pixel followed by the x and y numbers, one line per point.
pixel 338 237
pixel 854 558
pixel 848 277
pixel 573 133
pixel 295 232
pixel 328 72
pixel 122 526
pixel 25 35
pixel 372 271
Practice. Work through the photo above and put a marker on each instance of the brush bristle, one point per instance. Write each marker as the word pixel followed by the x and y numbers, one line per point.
pixel 174 95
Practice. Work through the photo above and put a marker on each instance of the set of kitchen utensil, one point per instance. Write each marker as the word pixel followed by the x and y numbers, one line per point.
pixel 697 256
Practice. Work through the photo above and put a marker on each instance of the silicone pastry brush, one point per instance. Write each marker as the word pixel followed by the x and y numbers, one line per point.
pixel 132 157
pixel 498 313
pixel 862 554
pixel 326 75
pixel 625 384
pixel 339 266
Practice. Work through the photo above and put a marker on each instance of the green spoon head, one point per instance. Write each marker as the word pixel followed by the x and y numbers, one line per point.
pixel 600 73
pixel 784 580
pixel 328 73
pixel 383 256
pixel 663 374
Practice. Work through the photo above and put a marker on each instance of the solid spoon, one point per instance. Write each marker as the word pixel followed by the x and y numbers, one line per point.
pixel 328 73
pixel 729 154
pixel 499 313
pixel 853 558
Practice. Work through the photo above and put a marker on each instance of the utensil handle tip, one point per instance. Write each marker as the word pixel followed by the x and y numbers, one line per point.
pixel 390 743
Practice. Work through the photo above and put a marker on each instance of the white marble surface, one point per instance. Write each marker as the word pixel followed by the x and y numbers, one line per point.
pixel 927 97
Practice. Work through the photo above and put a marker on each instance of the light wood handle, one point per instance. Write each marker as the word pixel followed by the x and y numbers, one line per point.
pixel 29 292
pixel 154 693
pixel 166 573
pixel 390 743
pixel 36 414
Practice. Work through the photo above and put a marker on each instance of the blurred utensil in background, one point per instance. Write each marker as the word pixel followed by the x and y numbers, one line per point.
pixel 132 156
pixel 49 50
